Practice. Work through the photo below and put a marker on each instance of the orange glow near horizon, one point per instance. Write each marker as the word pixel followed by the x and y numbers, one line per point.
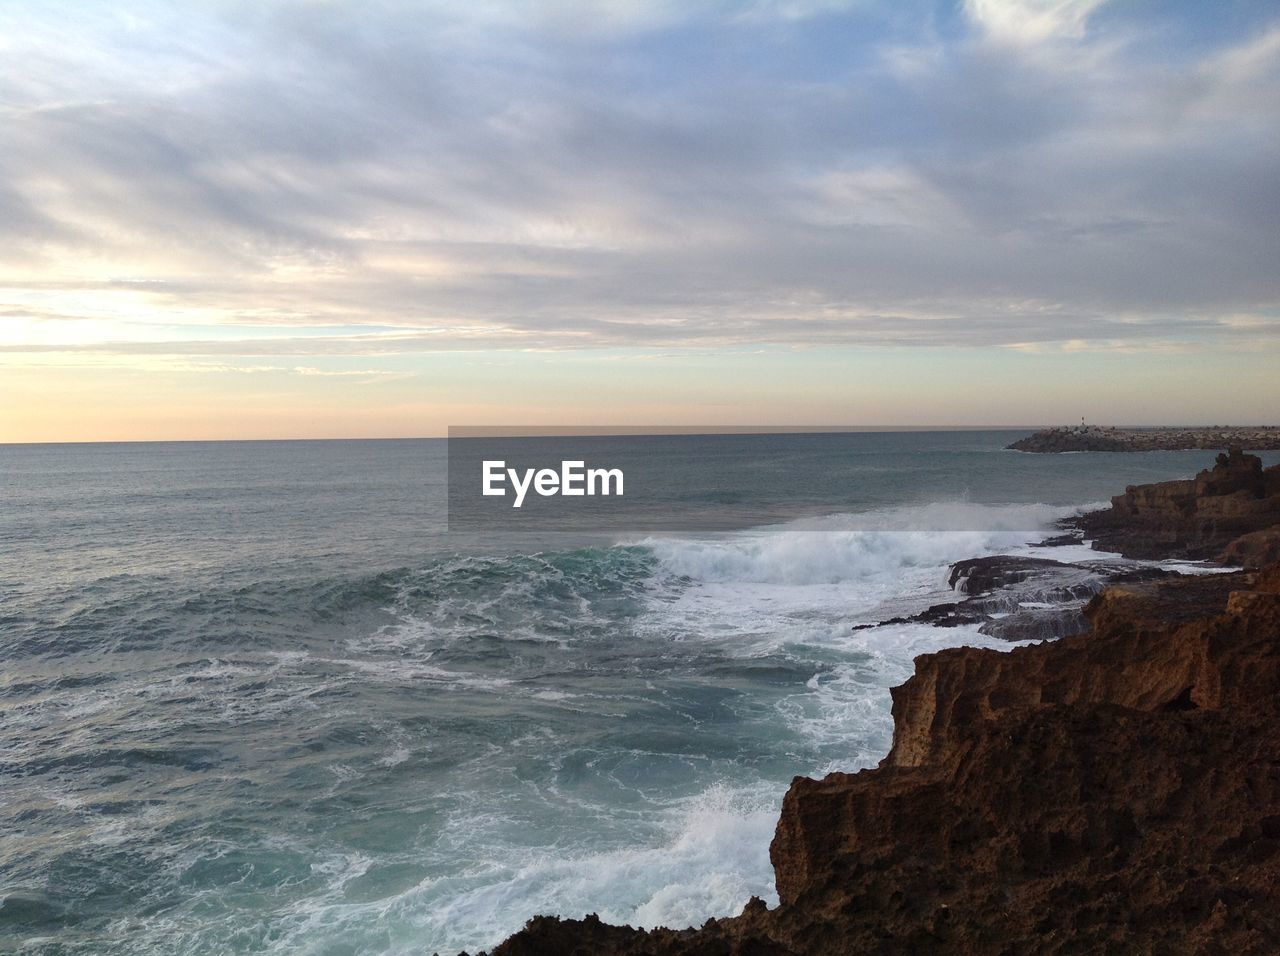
pixel 78 398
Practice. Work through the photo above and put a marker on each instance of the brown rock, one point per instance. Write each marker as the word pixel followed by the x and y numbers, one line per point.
pixel 1019 598
pixel 1194 518
pixel 1254 550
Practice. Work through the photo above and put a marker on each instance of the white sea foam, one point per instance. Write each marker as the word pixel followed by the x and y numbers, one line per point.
pixel 856 547
pixel 709 858
pixel 399 671
pixel 795 590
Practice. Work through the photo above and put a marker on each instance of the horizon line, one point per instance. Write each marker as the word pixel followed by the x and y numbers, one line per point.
pixel 566 431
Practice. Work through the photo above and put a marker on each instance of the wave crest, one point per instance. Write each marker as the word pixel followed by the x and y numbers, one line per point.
pixel 856 547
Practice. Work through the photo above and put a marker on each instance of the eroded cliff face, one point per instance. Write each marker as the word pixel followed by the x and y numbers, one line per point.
pixel 1201 517
pixel 1151 646
pixel 1118 791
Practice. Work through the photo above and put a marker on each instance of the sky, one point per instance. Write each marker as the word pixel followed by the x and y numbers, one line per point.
pixel 320 218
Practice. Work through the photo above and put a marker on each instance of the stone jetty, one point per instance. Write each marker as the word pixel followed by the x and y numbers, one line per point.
pixel 1100 438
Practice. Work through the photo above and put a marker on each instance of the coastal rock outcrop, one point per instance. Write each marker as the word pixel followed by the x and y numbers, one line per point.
pixel 1254 550
pixel 1019 598
pixel 1117 791
pixel 1196 518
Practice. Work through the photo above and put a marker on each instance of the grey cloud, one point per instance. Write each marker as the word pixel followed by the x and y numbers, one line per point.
pixel 447 174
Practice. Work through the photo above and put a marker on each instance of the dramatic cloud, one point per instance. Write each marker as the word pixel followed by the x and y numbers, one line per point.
pixel 301 178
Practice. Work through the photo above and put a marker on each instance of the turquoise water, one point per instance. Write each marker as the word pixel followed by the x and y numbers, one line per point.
pixel 256 699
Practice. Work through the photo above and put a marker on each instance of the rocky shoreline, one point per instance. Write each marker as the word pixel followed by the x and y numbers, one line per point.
pixel 1113 790
pixel 1097 438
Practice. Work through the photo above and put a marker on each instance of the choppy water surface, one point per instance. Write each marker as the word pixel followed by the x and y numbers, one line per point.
pixel 256 700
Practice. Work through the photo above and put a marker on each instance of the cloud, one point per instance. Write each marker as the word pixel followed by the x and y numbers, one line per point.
pixel 339 179
pixel 1025 22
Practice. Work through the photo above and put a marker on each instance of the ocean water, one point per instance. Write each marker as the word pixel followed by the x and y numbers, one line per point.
pixel 256 698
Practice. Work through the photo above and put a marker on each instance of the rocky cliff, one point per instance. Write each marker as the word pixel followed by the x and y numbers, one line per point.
pixel 1230 511
pixel 1114 791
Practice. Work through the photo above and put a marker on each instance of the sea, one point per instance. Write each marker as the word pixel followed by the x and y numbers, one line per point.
pixel 257 697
